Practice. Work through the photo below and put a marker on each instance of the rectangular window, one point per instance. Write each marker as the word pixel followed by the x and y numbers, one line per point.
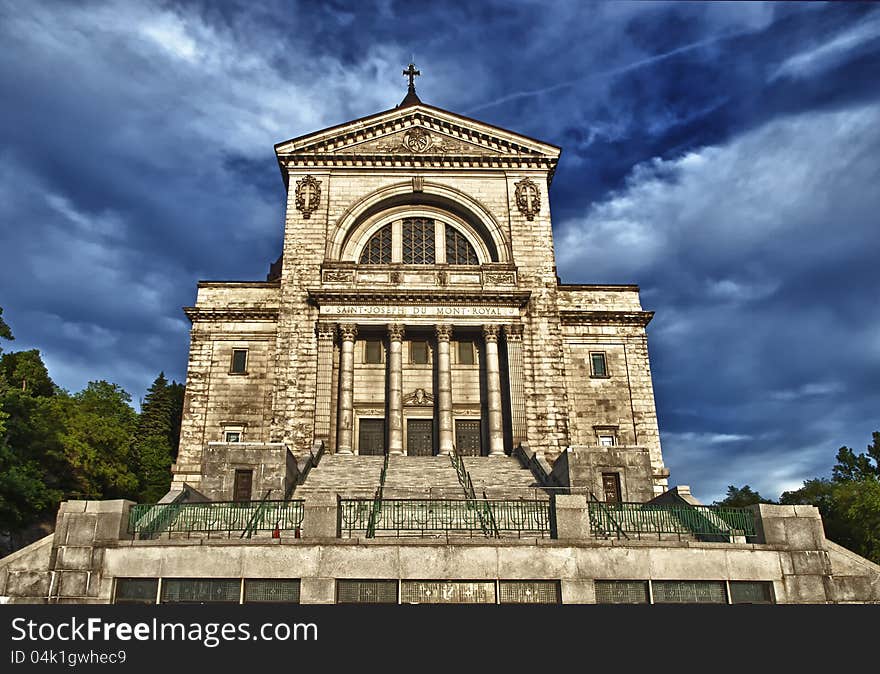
pixel 751 592
pixel 466 353
pixel 606 440
pixel 528 592
pixel 689 592
pixel 366 591
pixel 136 590
pixel 232 436
pixel 373 351
pixel 598 364
pixel 621 592
pixel 201 591
pixel 447 592
pixel 418 352
pixel 278 591
pixel 241 490
pixel 239 361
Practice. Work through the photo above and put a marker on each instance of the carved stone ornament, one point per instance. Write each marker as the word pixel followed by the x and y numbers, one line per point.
pixel 528 198
pixel 395 332
pixel 348 331
pixel 442 278
pixel 513 332
pixel 418 397
pixel 338 276
pixel 490 333
pixel 417 139
pixel 444 332
pixel 395 277
pixel 308 195
pixel 499 278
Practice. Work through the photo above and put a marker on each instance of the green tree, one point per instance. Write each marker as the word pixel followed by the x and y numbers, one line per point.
pixel 852 466
pixel 5 330
pixel 154 445
pixel 98 441
pixel 25 370
pixel 739 497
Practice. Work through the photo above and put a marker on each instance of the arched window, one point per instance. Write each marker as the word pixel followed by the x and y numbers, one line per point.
pixel 378 248
pixel 458 249
pixel 418 241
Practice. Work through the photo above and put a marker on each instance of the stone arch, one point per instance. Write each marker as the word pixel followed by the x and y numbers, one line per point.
pixel 361 220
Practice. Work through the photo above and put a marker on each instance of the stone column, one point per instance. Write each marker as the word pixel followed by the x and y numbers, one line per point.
pixel 444 389
pixel 345 424
pixel 513 334
pixel 326 335
pixel 395 389
pixel 493 388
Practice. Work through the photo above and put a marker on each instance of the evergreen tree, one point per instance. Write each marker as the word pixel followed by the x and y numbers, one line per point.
pixel 154 443
pixel 741 497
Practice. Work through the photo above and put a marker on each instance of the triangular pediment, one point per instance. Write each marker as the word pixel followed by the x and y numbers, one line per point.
pixel 417 130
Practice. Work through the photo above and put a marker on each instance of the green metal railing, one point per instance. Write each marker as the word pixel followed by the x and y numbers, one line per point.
pixel 432 517
pixel 710 523
pixel 377 499
pixel 146 520
pixel 482 510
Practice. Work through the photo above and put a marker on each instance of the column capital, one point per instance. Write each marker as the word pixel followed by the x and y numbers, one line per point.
pixel 490 332
pixel 444 332
pixel 513 332
pixel 326 330
pixel 395 331
pixel 348 331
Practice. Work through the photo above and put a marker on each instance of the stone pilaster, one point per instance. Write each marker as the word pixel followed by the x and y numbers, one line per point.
pixel 326 335
pixel 345 425
pixel 514 335
pixel 395 389
pixel 493 390
pixel 444 388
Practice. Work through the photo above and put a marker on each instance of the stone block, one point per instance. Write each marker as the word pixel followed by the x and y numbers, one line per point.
pixel 33 584
pixel 570 517
pixel 804 590
pixel 578 591
pixel 74 557
pixel 320 517
pixel 317 591
pixel 72 583
pixel 804 533
pixel 810 562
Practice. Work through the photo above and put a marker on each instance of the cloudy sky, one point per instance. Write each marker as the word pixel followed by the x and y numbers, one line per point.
pixel 726 157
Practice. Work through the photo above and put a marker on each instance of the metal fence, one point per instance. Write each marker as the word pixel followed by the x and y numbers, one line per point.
pixel 436 517
pixel 710 523
pixel 146 520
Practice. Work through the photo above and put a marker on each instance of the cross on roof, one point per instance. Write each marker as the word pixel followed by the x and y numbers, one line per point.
pixel 412 73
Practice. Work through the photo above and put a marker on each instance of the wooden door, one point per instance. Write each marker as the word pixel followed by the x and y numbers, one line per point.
pixel 611 487
pixel 468 439
pixel 420 437
pixel 241 490
pixel 371 437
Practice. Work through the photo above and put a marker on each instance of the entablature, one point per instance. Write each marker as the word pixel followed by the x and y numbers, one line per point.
pixel 434 276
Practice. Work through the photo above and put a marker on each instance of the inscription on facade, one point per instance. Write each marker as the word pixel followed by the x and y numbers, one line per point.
pixel 417 310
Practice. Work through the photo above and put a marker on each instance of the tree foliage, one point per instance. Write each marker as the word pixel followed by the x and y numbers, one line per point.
pixel 740 497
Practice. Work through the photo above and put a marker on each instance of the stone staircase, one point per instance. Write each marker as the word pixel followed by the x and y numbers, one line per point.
pixel 502 477
pixel 344 474
pixel 422 477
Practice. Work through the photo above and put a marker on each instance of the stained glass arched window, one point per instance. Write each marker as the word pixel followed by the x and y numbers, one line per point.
pixel 458 249
pixel 378 248
pixel 418 241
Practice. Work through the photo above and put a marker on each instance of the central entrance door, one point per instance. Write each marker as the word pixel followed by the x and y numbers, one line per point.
pixel 420 437
pixel 371 437
pixel 467 437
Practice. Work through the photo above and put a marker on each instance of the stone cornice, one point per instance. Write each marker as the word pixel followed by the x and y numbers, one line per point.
pixel 311 161
pixel 641 318
pixel 398 296
pixel 231 314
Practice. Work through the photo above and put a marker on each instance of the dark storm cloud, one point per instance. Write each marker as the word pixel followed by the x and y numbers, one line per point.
pixel 723 155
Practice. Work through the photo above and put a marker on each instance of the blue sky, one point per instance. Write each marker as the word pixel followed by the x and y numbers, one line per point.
pixel 724 156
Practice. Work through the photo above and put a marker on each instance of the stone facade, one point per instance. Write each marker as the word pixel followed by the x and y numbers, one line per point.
pixel 365 344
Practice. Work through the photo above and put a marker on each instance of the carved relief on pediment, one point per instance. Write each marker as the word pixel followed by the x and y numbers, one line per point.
pixel 418 397
pixel 417 140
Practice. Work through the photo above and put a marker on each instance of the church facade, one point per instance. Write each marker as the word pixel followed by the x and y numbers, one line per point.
pixel 416 308
pixel 413 408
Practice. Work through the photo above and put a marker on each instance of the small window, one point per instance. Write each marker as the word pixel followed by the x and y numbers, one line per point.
pixel 606 440
pixel 528 592
pixel 418 352
pixel 598 364
pixel 373 351
pixel 201 591
pixel 689 592
pixel 277 591
pixel 466 352
pixel 136 590
pixel 232 436
pixel 366 591
pixel 621 592
pixel 751 592
pixel 239 361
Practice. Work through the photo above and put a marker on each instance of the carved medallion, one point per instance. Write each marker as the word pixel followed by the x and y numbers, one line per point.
pixel 499 278
pixel 418 397
pixel 331 276
pixel 417 139
pixel 308 195
pixel 528 198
